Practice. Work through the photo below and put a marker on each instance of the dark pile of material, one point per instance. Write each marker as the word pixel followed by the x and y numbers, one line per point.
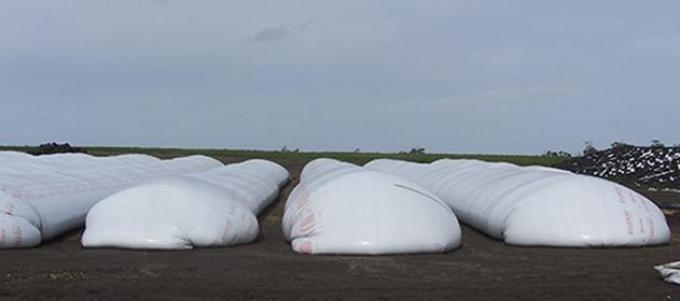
pixel 652 166
pixel 56 148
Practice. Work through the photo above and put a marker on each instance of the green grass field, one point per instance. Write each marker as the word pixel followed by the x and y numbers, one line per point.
pixel 354 157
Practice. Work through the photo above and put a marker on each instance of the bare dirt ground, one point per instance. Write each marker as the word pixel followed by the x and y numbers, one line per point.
pixel 482 269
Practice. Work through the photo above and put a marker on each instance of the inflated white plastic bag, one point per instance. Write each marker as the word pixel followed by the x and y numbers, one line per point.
pixel 538 205
pixel 340 208
pixel 218 207
pixel 15 162
pixel 43 197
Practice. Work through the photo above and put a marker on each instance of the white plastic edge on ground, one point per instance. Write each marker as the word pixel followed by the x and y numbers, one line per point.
pixel 341 208
pixel 670 272
pixel 217 207
pixel 538 205
pixel 44 196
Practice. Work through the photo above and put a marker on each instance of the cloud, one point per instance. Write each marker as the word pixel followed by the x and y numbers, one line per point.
pixel 160 2
pixel 272 34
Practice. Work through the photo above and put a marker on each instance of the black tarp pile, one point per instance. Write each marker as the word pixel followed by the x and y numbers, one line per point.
pixel 56 148
pixel 652 166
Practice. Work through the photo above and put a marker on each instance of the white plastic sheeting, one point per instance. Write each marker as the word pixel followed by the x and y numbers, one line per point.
pixel 670 272
pixel 42 197
pixel 212 208
pixel 341 208
pixel 538 205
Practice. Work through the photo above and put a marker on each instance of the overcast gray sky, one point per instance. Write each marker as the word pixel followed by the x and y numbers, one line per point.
pixel 451 76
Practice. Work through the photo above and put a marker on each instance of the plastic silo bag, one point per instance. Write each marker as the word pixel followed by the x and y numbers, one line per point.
pixel 218 207
pixel 43 197
pixel 340 208
pixel 538 205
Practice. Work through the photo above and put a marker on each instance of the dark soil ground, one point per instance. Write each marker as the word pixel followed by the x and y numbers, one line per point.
pixel 482 269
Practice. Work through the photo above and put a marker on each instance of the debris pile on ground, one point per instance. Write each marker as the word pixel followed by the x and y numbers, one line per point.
pixel 57 148
pixel 653 166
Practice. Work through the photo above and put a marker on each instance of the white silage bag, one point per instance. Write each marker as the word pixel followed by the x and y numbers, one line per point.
pixel 15 162
pixel 538 205
pixel 43 197
pixel 218 207
pixel 340 208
